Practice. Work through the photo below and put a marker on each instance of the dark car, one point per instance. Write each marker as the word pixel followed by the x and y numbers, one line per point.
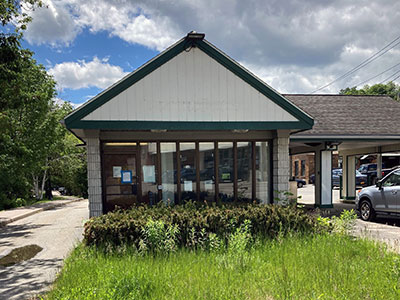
pixel 361 179
pixel 381 198
pixel 370 170
pixel 300 182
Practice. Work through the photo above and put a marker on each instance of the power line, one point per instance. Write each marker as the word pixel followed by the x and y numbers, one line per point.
pixel 369 79
pixel 395 78
pixel 375 56
pixel 395 73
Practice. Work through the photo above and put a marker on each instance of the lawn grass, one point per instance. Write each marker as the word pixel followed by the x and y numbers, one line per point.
pixel 300 267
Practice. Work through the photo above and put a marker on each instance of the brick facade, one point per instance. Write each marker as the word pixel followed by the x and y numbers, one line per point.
pixel 281 165
pixel 94 177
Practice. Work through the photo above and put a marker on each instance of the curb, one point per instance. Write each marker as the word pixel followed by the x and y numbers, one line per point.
pixel 37 210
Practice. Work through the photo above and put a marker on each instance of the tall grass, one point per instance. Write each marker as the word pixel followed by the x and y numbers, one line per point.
pixel 296 267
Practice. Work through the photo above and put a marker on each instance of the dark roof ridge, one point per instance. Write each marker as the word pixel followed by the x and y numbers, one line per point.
pixel 337 95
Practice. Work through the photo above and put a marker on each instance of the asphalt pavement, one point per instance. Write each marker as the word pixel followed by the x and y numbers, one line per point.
pixel 57 231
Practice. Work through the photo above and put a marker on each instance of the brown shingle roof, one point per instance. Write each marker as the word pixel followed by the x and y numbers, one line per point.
pixel 349 115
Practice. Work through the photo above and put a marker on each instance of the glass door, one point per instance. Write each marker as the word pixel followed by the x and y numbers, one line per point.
pixel 121 181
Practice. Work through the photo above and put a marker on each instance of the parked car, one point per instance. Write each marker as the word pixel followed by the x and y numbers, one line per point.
pixel 381 198
pixel 370 171
pixel 300 182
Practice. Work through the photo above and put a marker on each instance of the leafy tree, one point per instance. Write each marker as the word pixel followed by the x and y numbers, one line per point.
pixel 13 58
pixel 391 89
pixel 32 140
pixel 68 161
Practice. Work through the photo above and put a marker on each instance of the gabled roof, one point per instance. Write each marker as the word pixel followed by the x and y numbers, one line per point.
pixel 349 116
pixel 74 120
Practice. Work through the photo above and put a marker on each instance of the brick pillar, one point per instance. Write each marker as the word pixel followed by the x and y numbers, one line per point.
pixel 94 177
pixel 281 167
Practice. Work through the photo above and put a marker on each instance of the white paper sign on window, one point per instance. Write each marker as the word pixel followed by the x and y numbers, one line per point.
pixel 117 171
pixel 149 174
pixel 188 186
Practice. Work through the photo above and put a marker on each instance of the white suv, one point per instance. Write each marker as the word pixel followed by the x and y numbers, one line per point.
pixel 382 198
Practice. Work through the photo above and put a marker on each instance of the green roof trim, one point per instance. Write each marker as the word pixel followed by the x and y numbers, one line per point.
pixel 74 120
pixel 171 125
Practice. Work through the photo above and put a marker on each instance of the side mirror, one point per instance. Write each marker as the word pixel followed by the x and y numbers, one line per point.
pixel 379 184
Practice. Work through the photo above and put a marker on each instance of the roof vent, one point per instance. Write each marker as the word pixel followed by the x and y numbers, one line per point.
pixel 193 35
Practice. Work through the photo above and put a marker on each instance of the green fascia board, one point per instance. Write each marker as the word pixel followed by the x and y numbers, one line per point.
pixel 167 125
pixel 75 118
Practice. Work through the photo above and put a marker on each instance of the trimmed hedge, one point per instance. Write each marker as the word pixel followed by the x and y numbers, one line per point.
pixel 126 226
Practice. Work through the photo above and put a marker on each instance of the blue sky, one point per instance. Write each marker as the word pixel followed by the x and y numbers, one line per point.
pixel 85 47
pixel 294 46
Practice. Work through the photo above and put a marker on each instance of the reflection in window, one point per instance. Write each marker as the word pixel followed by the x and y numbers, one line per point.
pixel 225 171
pixel 168 168
pixel 244 171
pixel 148 156
pixel 262 171
pixel 188 171
pixel 206 164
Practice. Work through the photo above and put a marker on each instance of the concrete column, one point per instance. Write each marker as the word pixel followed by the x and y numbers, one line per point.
pixel 344 176
pixel 350 179
pixel 323 178
pixel 94 177
pixel 378 166
pixel 280 156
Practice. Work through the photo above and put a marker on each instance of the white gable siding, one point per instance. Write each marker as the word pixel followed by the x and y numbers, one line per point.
pixel 191 87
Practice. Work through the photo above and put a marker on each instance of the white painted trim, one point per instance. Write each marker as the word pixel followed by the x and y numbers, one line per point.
pixel 326 177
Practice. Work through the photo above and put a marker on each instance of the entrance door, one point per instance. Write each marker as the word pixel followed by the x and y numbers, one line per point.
pixel 121 180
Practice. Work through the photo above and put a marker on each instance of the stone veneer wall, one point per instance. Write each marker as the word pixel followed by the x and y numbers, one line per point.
pixel 94 177
pixel 281 165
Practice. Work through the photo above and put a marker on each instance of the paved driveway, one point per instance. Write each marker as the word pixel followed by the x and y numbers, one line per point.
pixel 383 229
pixel 307 194
pixel 56 231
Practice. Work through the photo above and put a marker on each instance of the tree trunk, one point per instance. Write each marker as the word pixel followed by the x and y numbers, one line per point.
pixel 36 186
pixel 43 183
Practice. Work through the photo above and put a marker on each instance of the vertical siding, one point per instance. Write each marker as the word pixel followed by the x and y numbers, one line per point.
pixel 191 87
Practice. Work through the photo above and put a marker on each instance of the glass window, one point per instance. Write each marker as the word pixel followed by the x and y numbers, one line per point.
pixel 244 163
pixel 148 156
pixel 168 168
pixel 262 171
pixel 188 171
pixel 296 168
pixel 393 179
pixel 207 178
pixel 225 171
pixel 303 168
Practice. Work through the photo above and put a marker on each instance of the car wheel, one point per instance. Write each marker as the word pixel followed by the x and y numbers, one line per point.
pixel 366 211
pixel 299 185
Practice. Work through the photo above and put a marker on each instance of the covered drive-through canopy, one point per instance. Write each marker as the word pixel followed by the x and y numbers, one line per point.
pixel 353 125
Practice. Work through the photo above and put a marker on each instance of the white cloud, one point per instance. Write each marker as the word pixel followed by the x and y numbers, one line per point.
pixel 127 20
pixel 52 24
pixel 296 46
pixel 82 74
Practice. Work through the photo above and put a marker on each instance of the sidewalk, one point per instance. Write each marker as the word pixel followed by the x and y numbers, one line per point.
pixel 11 215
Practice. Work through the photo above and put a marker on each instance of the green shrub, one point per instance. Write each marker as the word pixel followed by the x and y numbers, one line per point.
pixel 157 237
pixel 196 224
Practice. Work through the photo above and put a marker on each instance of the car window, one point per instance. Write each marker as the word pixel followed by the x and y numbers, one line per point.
pixel 393 179
pixel 362 168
